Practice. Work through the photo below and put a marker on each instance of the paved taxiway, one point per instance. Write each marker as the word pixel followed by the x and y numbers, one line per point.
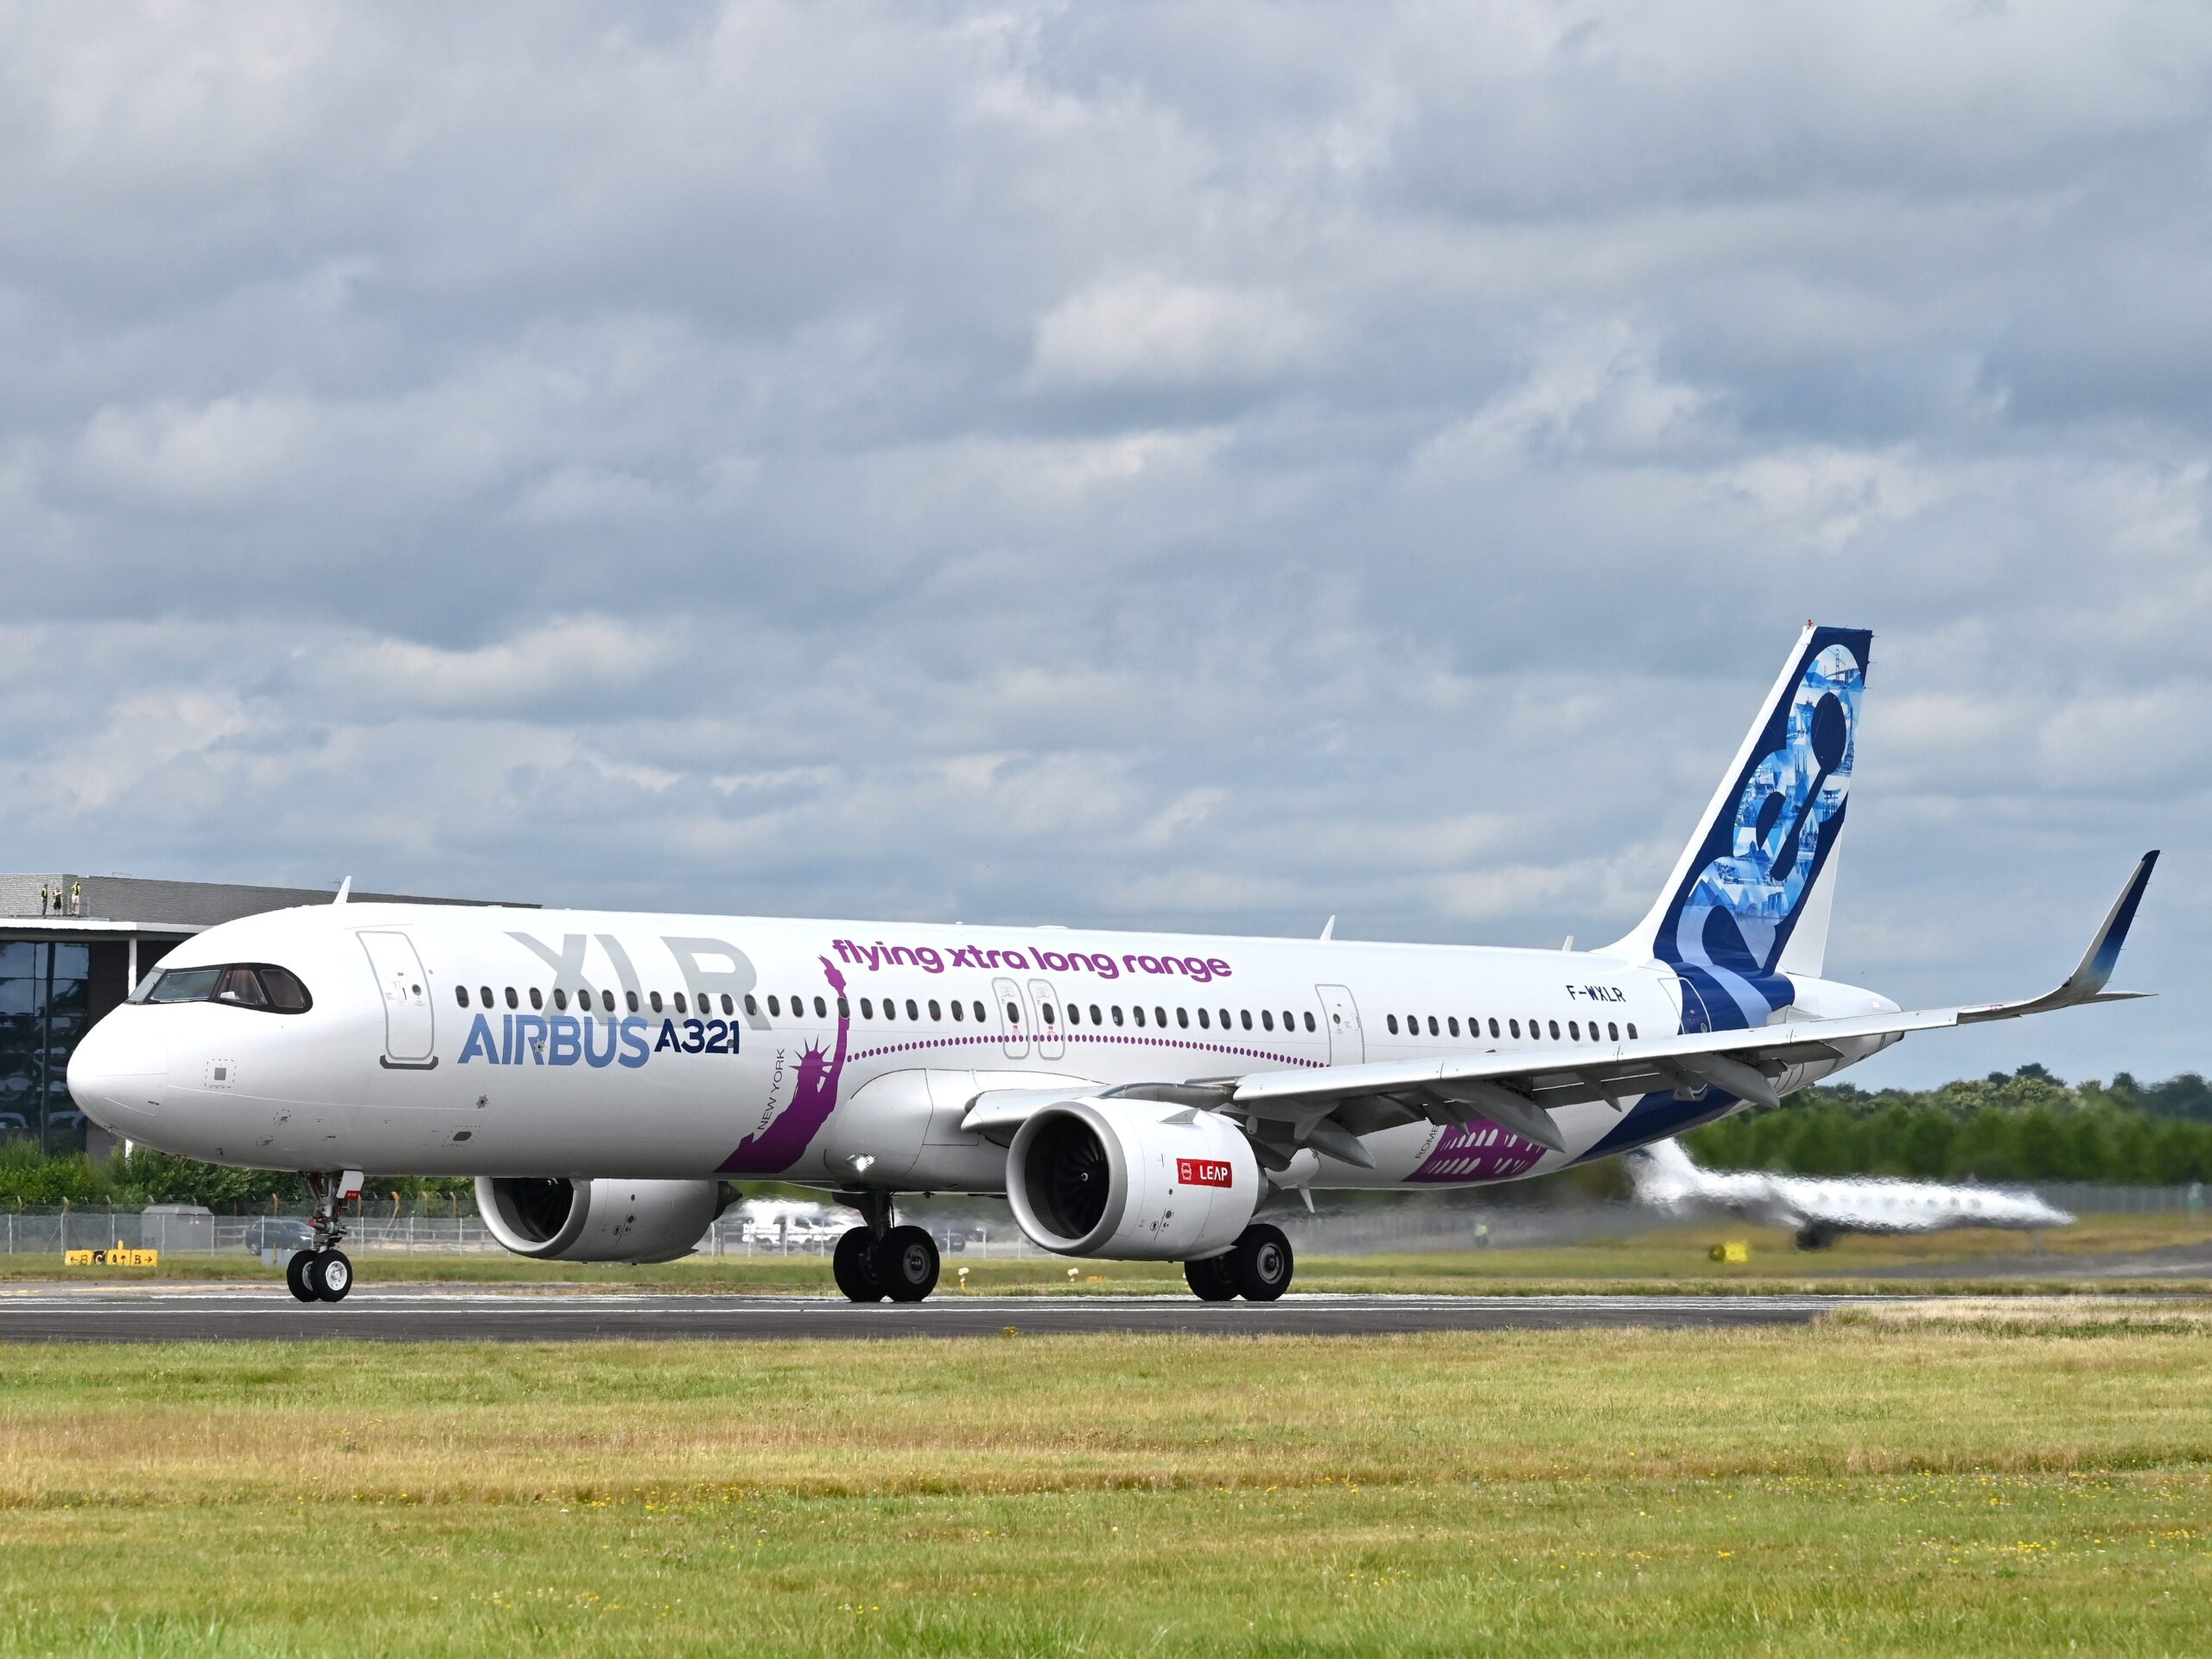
pixel 412 1313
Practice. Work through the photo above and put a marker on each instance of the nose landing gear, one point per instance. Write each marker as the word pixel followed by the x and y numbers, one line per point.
pixel 325 1273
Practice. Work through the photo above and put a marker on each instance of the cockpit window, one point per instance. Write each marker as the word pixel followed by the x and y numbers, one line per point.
pixel 242 985
pixel 184 985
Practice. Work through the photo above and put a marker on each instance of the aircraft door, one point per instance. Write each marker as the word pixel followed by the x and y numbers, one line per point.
pixel 1007 995
pixel 1048 1020
pixel 408 1035
pixel 1340 1014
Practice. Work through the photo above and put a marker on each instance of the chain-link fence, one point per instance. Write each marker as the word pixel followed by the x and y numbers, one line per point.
pixel 1381 1230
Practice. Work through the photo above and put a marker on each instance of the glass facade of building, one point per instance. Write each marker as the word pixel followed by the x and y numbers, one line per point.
pixel 45 1006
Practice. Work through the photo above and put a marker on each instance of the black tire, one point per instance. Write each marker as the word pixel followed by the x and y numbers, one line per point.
pixel 333 1275
pixel 311 1275
pixel 854 1266
pixel 1212 1280
pixel 1817 1238
pixel 905 1264
pixel 1260 1263
pixel 296 1276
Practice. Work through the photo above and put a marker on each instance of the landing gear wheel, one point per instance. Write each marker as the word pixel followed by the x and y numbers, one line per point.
pixel 905 1264
pixel 311 1275
pixel 854 1266
pixel 334 1276
pixel 296 1276
pixel 1210 1280
pixel 1260 1262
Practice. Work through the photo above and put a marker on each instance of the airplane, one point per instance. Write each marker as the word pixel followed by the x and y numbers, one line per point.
pixel 1820 1210
pixel 607 1078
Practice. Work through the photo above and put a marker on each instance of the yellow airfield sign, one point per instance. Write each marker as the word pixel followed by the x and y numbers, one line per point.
pixel 121 1257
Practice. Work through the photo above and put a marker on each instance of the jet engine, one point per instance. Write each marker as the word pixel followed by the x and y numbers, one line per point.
pixel 559 1220
pixel 1134 1179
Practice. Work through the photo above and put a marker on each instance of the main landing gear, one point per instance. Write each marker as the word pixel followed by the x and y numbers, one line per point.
pixel 879 1260
pixel 1257 1266
pixel 325 1273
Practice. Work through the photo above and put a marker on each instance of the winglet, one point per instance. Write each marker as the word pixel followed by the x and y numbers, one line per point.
pixel 2103 954
pixel 344 887
pixel 2088 981
pixel 1329 929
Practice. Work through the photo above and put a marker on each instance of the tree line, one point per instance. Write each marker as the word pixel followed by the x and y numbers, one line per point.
pixel 2022 1126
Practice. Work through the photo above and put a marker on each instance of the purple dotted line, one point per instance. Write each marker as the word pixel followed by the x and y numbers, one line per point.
pixel 1085 1037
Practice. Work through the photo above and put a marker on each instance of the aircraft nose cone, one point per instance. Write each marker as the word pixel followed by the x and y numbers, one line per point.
pixel 116 1076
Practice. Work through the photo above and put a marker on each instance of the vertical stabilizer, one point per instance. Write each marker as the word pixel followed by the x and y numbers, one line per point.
pixel 1749 899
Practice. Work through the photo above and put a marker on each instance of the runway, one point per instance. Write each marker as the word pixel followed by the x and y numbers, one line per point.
pixel 415 1314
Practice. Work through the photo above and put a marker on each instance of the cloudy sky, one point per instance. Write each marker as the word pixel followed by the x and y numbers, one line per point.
pixel 1187 465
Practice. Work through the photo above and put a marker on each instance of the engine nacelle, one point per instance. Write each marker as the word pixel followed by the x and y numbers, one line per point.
pixel 559 1220
pixel 1139 1179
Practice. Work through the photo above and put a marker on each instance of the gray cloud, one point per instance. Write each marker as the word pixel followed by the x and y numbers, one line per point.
pixel 1194 465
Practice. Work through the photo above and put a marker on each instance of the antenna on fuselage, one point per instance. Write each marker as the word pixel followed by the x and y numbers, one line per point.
pixel 344 888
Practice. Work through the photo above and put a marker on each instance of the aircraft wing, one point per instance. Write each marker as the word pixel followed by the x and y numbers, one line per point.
pixel 1330 1108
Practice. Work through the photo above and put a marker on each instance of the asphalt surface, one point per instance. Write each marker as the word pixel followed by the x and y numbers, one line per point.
pixel 414 1314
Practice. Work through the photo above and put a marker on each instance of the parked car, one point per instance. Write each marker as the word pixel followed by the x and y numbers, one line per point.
pixel 278 1233
pixel 14 1123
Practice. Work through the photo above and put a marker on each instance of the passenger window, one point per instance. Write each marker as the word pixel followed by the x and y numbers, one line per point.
pixel 1094 1014
pixel 1245 1014
pixel 483 992
pixel 1392 1020
pixel 560 998
pixel 1203 1023
pixel 936 1012
pixel 460 995
pixel 1631 1030
pixel 1013 1014
pixel 980 1015
pixel 607 1001
pixel 1075 1014
pixel 1452 1024
pixel 1494 1031
pixel 537 998
pixel 1117 1014
pixel 775 1006
pixel 1515 1024
pixel 1137 1013
pixel 510 997
pixel 1575 1029
pixel 913 1013
pixel 867 1009
pixel 631 997
pixel 1045 1010
pixel 751 1007
pixel 1432 1026
pixel 1554 1031
pixel 1159 1016
pixel 1183 1019
pixel 1267 1019
pixel 1225 1019
pixel 1612 1031
pixel 1309 1023
pixel 844 1009
pixel 959 1013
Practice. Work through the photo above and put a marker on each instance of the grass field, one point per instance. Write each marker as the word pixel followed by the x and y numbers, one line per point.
pixel 1996 1477
pixel 1667 1258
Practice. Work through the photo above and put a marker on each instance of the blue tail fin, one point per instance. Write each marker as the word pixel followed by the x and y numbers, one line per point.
pixel 1749 899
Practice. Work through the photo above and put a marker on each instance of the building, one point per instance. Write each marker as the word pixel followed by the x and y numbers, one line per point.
pixel 61 969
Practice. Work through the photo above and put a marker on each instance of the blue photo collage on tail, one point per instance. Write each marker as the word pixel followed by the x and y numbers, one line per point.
pixel 1730 919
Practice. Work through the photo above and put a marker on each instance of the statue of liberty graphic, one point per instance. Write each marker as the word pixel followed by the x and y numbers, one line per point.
pixel 813 1096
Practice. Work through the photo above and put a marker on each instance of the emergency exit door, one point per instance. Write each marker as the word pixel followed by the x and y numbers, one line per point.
pixel 408 1036
pixel 1340 1017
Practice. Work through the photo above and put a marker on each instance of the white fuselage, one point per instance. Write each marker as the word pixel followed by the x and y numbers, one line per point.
pixel 646 1046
